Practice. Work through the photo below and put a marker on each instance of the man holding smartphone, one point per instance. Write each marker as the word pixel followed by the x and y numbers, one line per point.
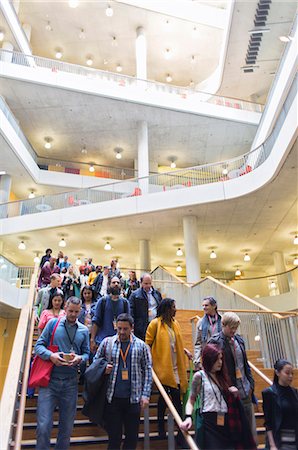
pixel 72 339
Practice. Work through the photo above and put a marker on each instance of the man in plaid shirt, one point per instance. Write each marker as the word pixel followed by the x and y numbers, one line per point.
pixel 129 385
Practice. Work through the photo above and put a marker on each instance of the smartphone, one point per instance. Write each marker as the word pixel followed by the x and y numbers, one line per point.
pixel 67 356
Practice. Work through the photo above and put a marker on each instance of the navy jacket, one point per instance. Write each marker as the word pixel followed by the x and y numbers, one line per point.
pixel 273 412
pixel 139 310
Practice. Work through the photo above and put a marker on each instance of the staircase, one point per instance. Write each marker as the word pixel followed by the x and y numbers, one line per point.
pixel 89 436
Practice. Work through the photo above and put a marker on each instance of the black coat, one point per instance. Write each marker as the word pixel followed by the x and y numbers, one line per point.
pixel 273 412
pixel 139 310
pixel 94 393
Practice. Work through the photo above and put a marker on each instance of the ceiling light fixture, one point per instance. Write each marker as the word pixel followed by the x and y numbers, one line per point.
pixel 179 252
pixel 173 165
pixel 58 54
pixel 213 255
pixel 109 11
pixel 89 61
pixel 78 261
pixel 295 262
pixel 82 34
pixel 207 270
pixel 114 41
pixel 107 246
pixel 285 38
pixel 62 242
pixel 2 172
pixel 246 257
pixel 91 168
pixel 84 150
pixel 118 152
pixel 169 78
pixel 272 285
pixel 31 195
pixel 238 273
pixel 73 3
pixel 1 36
pixel 22 245
pixel 48 144
pixel 168 53
pixel 295 241
pixel 36 259
pixel 178 268
pixel 119 68
pixel 48 26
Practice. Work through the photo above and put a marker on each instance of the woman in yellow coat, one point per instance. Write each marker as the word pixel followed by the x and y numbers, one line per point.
pixel 168 356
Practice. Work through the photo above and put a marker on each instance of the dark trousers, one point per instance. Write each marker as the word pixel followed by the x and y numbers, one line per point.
pixel 121 415
pixel 174 394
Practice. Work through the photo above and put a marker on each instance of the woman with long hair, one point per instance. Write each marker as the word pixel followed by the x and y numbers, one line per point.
pixel 280 404
pixel 54 309
pixel 88 297
pixel 168 356
pixel 220 429
pixel 71 283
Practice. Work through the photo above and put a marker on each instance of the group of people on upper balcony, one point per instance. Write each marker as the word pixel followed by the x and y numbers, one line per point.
pixel 113 332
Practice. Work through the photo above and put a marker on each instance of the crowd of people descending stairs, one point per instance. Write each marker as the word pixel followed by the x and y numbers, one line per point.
pixel 104 332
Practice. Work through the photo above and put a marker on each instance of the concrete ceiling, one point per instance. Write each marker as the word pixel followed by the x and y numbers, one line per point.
pixel 262 222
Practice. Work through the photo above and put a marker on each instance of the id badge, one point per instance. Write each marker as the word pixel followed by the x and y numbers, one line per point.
pixel 124 374
pixel 220 420
pixel 238 373
pixel 115 324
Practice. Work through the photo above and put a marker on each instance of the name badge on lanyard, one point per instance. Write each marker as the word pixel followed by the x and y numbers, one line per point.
pixel 124 374
pixel 124 371
pixel 220 419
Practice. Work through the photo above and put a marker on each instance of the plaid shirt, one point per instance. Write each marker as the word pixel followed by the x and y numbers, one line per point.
pixel 141 365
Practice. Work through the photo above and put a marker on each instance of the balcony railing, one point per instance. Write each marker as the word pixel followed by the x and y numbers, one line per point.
pixel 18 276
pixel 111 78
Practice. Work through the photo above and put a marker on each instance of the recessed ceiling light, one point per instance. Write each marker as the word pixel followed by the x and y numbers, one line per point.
pixel 89 61
pixel 109 11
pixel 58 54
pixel 119 68
pixel 73 3
pixel 1 36
pixel 169 78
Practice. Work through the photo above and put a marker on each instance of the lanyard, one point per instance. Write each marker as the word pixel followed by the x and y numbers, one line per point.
pixel 71 341
pixel 124 356
pixel 213 324
pixel 211 381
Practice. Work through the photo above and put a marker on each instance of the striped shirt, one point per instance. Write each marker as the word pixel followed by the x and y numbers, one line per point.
pixel 141 365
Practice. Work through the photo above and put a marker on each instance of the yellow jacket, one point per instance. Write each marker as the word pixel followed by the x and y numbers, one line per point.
pixel 157 337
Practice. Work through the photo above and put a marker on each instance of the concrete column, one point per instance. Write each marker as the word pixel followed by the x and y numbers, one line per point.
pixel 27 30
pixel 143 155
pixel 141 54
pixel 279 265
pixel 7 57
pixel 145 255
pixel 190 231
pixel 5 186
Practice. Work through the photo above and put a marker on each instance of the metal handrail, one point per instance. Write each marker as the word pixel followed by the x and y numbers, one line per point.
pixel 260 373
pixel 126 80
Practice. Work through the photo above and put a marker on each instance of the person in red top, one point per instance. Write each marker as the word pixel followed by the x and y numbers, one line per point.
pixel 55 309
pixel 47 270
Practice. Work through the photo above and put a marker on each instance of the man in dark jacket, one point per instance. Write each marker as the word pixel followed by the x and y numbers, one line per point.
pixel 236 362
pixel 143 305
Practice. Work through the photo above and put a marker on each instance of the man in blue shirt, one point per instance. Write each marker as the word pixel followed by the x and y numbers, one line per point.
pixel 72 339
pixel 106 312
pixel 129 385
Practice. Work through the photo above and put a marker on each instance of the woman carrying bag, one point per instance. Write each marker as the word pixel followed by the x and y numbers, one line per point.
pixel 221 421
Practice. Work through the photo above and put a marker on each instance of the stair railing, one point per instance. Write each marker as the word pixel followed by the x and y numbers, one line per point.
pixel 260 373
pixel 15 386
pixel 174 412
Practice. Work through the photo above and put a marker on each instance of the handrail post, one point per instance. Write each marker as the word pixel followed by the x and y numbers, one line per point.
pixel 171 435
pixel 146 428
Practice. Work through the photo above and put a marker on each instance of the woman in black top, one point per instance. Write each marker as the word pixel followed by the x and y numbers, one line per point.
pixel 280 404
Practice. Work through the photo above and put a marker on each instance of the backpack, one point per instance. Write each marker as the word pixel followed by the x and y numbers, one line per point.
pixel 103 307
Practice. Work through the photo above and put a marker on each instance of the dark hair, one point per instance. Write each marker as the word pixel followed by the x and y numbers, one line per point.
pixel 164 307
pixel 49 250
pixel 88 288
pixel 278 366
pixel 212 301
pixel 209 357
pixel 124 317
pixel 57 293
pixel 74 300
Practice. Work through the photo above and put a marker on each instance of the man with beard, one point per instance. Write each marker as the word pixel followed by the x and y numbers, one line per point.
pixel 108 308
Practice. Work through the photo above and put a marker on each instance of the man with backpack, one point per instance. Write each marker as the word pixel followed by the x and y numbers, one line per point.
pixel 108 308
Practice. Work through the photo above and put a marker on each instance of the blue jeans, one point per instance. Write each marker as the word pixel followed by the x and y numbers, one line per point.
pixel 62 393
